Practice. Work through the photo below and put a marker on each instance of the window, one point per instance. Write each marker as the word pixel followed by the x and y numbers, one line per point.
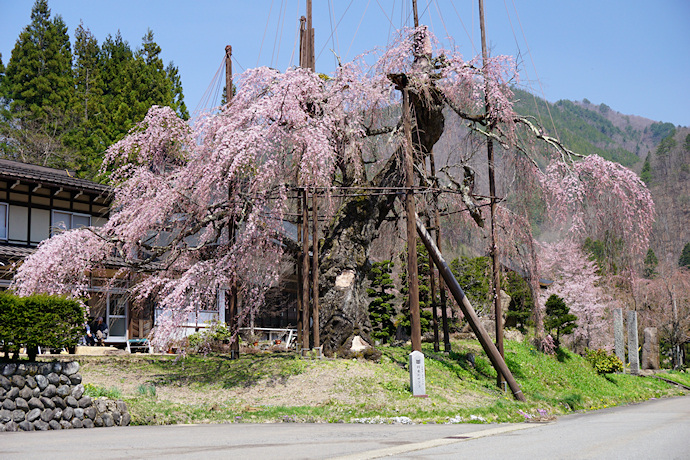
pixel 63 220
pixel 3 220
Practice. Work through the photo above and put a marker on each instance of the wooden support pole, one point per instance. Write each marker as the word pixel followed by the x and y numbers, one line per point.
pixel 410 211
pixel 441 287
pixel 305 271
pixel 315 269
pixel 471 316
pixel 434 304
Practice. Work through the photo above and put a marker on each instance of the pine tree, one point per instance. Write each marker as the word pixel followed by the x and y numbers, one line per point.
pixel 684 260
pixel 88 137
pixel 559 318
pixel 381 310
pixel 650 264
pixel 39 85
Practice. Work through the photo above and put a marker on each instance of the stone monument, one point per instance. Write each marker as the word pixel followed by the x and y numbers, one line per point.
pixel 619 334
pixel 650 349
pixel 417 376
pixel 633 356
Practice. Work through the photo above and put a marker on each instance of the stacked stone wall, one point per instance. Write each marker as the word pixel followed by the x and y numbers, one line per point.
pixel 50 396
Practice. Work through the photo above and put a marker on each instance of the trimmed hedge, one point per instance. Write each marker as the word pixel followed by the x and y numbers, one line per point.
pixel 39 320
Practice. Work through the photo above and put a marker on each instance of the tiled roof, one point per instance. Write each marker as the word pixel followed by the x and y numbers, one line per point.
pixel 12 253
pixel 12 170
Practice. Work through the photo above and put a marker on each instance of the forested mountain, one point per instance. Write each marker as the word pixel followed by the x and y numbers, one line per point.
pixel 587 128
pixel 62 105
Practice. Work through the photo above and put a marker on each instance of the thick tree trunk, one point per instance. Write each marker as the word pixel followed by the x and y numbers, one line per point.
pixel 344 255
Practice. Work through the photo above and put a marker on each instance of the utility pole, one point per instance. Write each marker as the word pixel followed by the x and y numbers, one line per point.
pixel 232 297
pixel 315 268
pixel 496 285
pixel 305 271
pixel 228 74
pixel 410 212
pixel 416 16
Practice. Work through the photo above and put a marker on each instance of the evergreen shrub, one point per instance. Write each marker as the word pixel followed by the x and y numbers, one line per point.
pixel 39 321
pixel 603 362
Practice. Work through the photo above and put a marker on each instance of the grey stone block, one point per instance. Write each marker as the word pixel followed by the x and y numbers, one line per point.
pixel 57 414
pixel 26 426
pixel 53 378
pixel 76 423
pixel 90 412
pixel 18 381
pixel 57 367
pixel 108 419
pixel 79 413
pixel 26 393
pixel 9 369
pixel 8 404
pixel 34 414
pixel 47 402
pixel 59 402
pixel 31 382
pixel 35 393
pixel 35 403
pixel 85 401
pixel 11 426
pixel 2 427
pixel 40 425
pixel 87 423
pixel 68 413
pixel 70 401
pixel 78 391
pixel 75 379
pixel 21 369
pixel 18 415
pixel 70 368
pixel 47 415
pixel 5 382
pixel 98 421
pixel 63 390
pixel 5 415
pixel 22 404
pixel 66 425
pixel 41 381
pixel 55 425
pixel 121 406
pixel 64 380
pixel 13 393
pixel 100 405
pixel 49 391
pixel 117 418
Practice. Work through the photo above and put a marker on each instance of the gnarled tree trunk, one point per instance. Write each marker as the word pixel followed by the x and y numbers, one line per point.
pixel 344 254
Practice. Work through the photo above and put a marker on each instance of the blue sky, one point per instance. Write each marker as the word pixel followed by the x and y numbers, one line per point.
pixel 633 55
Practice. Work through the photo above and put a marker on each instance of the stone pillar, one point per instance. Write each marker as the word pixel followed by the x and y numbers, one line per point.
pixel 633 356
pixel 619 334
pixel 650 349
pixel 417 376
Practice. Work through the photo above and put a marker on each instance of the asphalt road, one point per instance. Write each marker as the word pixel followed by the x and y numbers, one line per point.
pixel 658 429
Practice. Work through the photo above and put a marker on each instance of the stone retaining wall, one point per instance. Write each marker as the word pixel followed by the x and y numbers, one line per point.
pixel 50 396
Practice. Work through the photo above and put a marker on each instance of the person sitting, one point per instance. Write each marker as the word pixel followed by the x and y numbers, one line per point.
pixel 89 339
pixel 101 331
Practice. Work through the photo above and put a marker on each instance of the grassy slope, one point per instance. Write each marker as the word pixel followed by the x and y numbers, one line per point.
pixel 217 387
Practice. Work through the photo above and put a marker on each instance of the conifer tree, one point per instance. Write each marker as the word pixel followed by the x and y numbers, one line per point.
pixel 88 137
pixel 559 318
pixel 39 86
pixel 650 264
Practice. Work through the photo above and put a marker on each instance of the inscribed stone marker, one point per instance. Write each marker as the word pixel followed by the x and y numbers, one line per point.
pixel 417 377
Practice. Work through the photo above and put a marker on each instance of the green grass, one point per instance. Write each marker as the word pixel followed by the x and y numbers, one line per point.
pixel 96 391
pixel 457 390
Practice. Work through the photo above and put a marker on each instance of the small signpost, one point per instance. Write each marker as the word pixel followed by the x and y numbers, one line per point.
pixel 417 376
